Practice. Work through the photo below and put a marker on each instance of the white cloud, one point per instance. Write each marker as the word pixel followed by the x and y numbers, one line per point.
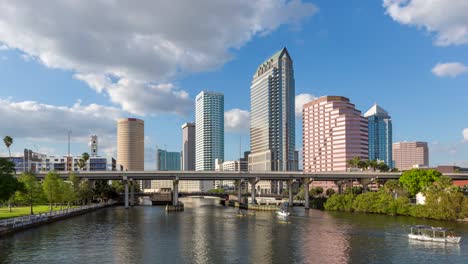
pixel 3 47
pixel 128 50
pixel 465 135
pixel 47 123
pixel 237 121
pixel 451 69
pixel 301 100
pixel 448 19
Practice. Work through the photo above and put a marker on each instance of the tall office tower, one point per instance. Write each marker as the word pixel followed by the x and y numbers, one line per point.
pixel 272 121
pixel 209 130
pixel 380 135
pixel 166 161
pixel 94 146
pixel 407 155
pixel 131 146
pixel 333 133
pixel 188 147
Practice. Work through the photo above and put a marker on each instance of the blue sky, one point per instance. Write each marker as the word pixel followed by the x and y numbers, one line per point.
pixel 409 57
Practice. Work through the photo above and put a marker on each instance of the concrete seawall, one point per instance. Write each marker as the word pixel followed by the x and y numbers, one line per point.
pixel 13 225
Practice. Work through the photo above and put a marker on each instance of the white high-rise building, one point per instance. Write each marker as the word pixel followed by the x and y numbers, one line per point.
pixel 209 130
pixel 272 120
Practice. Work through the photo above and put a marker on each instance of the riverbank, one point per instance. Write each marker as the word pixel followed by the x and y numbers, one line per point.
pixel 16 224
pixel 24 210
pixel 444 206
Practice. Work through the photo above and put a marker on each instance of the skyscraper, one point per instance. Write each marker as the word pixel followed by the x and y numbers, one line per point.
pixel 209 130
pixel 380 135
pixel 334 132
pixel 272 121
pixel 167 161
pixel 188 147
pixel 408 154
pixel 131 144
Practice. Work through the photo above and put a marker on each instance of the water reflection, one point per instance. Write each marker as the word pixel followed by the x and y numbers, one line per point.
pixel 208 233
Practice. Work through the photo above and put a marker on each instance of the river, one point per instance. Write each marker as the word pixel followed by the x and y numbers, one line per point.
pixel 209 233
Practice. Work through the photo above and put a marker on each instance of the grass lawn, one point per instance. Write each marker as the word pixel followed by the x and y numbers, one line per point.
pixel 24 210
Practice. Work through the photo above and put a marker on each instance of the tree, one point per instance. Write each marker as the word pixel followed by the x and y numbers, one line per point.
pixel 330 192
pixel 8 142
pixel 354 162
pixel 32 189
pixel 8 182
pixel 67 192
pixel 118 186
pixel 381 166
pixel 51 188
pixel 416 180
pixel 83 160
pixel 85 192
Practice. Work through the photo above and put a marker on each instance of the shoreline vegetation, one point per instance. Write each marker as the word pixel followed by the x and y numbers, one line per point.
pixel 442 200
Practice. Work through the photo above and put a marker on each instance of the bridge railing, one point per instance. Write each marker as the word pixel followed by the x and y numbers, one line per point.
pixel 42 217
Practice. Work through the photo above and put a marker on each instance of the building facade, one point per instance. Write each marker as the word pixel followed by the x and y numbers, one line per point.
pixel 333 133
pixel 188 147
pixel 408 155
pixel 380 135
pixel 165 161
pixel 272 119
pixel 209 130
pixel 93 144
pixel 131 144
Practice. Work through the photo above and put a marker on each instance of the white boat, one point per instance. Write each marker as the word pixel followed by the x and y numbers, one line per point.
pixel 434 234
pixel 283 213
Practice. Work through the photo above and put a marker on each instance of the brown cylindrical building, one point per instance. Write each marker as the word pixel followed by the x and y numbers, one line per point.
pixel 131 144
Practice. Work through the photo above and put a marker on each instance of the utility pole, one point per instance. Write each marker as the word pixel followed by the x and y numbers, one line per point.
pixel 69 133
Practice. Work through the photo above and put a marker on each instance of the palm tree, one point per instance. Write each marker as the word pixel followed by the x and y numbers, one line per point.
pixel 354 162
pixel 83 160
pixel 8 142
pixel 373 164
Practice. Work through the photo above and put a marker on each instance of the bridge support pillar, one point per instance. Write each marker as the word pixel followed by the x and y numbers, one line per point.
pixel 365 183
pixel 239 191
pixel 253 182
pixel 291 200
pixel 306 182
pixel 126 193
pixel 175 192
pixel 132 193
pixel 340 186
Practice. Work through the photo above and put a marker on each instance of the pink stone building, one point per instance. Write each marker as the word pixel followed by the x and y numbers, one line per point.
pixel 407 155
pixel 333 132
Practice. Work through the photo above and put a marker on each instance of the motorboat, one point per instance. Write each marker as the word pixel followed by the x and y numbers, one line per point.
pixel 283 213
pixel 434 234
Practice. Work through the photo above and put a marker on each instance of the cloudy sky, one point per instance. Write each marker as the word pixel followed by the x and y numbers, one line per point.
pixel 80 65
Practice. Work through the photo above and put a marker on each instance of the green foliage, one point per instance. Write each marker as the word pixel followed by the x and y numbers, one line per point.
pixel 103 191
pixel 8 142
pixel 216 191
pixel 330 192
pixel 416 180
pixel 8 183
pixel 31 192
pixel 118 186
pixel 340 202
pixel 51 188
pixel 85 192
pixel 443 201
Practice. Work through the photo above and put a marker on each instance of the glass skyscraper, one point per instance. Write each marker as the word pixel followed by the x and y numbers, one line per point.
pixel 272 120
pixel 167 161
pixel 380 135
pixel 209 130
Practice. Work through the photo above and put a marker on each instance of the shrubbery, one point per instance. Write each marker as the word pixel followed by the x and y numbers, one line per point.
pixel 443 200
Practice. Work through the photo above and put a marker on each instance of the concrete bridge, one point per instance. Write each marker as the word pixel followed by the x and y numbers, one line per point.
pixel 364 178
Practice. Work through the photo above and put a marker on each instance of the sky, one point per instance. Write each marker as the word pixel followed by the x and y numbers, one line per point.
pixel 81 65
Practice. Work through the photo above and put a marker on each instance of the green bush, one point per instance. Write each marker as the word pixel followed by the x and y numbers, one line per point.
pixel 340 202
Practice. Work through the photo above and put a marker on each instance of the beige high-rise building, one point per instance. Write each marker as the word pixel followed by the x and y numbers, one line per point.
pixel 131 144
pixel 407 155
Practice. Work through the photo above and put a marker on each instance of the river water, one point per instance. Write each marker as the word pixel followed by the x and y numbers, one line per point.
pixel 209 233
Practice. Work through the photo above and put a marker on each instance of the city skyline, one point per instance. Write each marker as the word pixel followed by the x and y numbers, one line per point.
pixel 423 76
